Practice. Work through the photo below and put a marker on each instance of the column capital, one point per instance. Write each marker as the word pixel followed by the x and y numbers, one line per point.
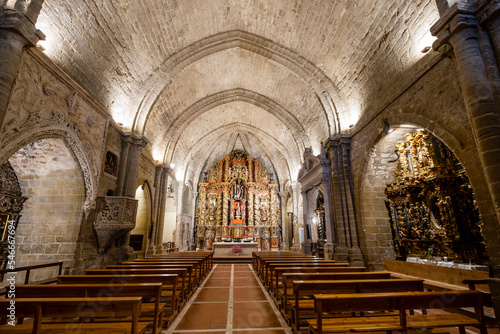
pixel 17 22
pixel 458 17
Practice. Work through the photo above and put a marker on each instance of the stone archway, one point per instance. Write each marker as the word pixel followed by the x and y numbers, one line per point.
pixel 51 178
pixel 139 236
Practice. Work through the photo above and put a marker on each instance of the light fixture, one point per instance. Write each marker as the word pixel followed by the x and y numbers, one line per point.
pixel 426 49
pixel 351 126
pixel 387 126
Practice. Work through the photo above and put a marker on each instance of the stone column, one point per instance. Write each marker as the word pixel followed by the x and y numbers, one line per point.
pixel 298 221
pixel 134 157
pixel 306 246
pixel 17 30
pixel 122 167
pixel 162 201
pixel 343 214
pixel 330 235
pixel 459 28
pixel 489 18
pixel 155 210
pixel 284 226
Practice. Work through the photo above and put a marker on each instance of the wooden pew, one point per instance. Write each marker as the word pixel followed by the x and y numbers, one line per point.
pixel 183 278
pixel 272 266
pixel 261 262
pixel 40 308
pixel 151 311
pixel 204 262
pixel 207 256
pixel 198 271
pixel 268 265
pixel 285 289
pixel 338 271
pixel 401 302
pixel 192 276
pixel 258 258
pixel 303 306
pixel 169 295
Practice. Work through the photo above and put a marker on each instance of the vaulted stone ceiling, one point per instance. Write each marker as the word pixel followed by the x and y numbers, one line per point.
pixel 196 77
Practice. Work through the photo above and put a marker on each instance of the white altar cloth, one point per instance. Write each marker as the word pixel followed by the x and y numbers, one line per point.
pixel 224 248
pixel 449 264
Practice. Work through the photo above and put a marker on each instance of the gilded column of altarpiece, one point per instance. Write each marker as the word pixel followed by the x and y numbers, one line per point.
pixel 431 204
pixel 237 202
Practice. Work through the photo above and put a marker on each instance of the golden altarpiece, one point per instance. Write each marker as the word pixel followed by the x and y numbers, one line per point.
pixel 238 203
pixel 431 204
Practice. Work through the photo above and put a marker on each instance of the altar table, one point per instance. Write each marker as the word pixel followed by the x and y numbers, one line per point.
pixel 224 248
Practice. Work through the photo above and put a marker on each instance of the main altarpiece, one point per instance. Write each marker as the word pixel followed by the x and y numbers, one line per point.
pixel 238 202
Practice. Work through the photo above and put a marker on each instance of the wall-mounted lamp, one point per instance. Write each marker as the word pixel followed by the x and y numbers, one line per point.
pixel 387 126
pixel 426 49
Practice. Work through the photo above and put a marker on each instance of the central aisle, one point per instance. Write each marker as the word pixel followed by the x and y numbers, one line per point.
pixel 231 300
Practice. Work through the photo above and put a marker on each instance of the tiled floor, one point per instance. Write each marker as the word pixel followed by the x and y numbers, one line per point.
pixel 231 300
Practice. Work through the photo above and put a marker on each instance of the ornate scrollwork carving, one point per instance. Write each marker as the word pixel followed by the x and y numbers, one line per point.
pixel 115 217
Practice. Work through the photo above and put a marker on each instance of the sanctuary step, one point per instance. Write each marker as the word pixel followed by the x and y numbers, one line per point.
pixel 232 259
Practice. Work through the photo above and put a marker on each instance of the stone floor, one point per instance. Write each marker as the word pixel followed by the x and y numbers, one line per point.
pixel 231 300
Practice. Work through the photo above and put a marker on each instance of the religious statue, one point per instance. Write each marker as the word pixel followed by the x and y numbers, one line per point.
pixel 237 211
pixel 211 210
pixel 238 190
pixel 263 212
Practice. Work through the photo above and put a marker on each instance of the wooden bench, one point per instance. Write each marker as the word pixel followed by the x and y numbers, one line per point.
pixel 345 273
pixel 263 266
pixel 74 308
pixel 197 273
pixel 271 276
pixel 169 295
pixel 396 301
pixel 205 263
pixel 183 280
pixel 151 310
pixel 303 306
pixel 270 266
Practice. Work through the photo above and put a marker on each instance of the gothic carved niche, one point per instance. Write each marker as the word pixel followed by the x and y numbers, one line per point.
pixel 432 208
pixel 115 217
pixel 237 202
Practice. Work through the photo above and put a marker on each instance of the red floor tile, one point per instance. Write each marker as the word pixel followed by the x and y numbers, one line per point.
pixel 213 295
pixel 245 281
pixel 204 316
pixel 254 315
pixel 249 294
pixel 217 282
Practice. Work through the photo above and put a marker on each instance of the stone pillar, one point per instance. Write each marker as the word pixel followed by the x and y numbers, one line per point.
pixel 155 210
pixel 122 167
pixel 306 245
pixel 297 218
pixel 343 213
pixel 162 201
pixel 17 30
pixel 489 18
pixel 284 226
pixel 459 28
pixel 330 236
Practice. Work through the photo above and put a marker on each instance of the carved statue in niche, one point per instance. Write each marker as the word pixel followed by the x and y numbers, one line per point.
pixel 263 212
pixel 237 210
pixel 239 190
pixel 431 204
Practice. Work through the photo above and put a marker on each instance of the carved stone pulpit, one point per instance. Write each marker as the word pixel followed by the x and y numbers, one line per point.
pixel 115 217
